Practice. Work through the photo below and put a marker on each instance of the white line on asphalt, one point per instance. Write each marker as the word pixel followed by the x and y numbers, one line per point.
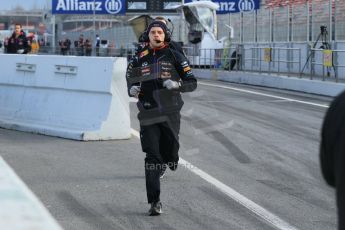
pixel 244 201
pixel 263 94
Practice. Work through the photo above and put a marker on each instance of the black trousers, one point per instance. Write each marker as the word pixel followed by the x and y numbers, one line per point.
pixel 160 143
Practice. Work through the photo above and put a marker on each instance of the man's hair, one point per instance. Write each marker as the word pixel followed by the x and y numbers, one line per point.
pixel 160 18
pixel 18 24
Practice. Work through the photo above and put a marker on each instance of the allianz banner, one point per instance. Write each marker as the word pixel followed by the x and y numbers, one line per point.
pixel 88 7
pixel 234 6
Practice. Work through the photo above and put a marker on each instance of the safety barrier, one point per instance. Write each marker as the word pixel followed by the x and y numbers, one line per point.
pixel 82 98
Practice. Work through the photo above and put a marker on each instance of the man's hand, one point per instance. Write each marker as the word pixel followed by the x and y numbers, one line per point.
pixel 134 91
pixel 170 84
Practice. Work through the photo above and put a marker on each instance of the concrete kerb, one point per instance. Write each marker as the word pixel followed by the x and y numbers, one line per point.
pixel 274 81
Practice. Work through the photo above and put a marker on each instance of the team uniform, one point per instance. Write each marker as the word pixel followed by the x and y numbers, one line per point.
pixel 159 108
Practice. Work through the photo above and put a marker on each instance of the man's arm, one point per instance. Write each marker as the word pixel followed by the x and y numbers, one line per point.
pixel 188 80
pixel 132 72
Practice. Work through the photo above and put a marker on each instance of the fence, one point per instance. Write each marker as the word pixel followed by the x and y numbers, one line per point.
pixel 281 58
pixel 327 62
pixel 286 21
pixel 275 21
pixel 283 29
pixel 117 36
pixel 239 57
pixel 274 58
pixel 287 27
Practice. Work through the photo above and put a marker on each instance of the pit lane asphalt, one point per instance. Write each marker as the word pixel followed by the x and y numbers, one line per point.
pixel 265 148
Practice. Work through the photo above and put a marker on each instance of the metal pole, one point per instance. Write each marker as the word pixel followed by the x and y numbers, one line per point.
pixel 54 32
pixel 312 63
pixel 233 35
pixel 252 59
pixel 255 24
pixel 299 61
pixel 270 21
pixel 289 23
pixel 241 28
pixel 308 21
pixel 335 20
pixel 313 23
pixel 292 23
pixel 278 60
pixel 330 21
pixel 269 63
pixel 93 21
pixel 259 49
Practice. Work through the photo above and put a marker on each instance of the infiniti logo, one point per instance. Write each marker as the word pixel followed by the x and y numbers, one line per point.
pixel 113 6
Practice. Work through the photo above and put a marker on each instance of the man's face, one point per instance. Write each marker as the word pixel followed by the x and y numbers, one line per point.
pixel 156 34
pixel 17 29
pixel 165 75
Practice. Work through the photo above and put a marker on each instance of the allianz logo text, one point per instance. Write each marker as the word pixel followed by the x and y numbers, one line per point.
pixel 227 6
pixel 230 6
pixel 111 6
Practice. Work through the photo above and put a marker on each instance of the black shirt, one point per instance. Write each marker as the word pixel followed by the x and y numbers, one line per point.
pixel 18 43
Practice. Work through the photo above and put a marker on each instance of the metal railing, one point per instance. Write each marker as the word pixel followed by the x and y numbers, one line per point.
pixel 272 59
pixel 261 59
pixel 322 64
pixel 213 58
pixel 327 62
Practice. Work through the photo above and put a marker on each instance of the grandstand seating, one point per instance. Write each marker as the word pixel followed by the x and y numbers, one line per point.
pixel 277 3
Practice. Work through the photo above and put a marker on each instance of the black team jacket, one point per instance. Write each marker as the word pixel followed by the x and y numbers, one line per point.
pixel 18 43
pixel 149 69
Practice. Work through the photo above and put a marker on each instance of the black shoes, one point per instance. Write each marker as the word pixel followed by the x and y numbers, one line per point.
pixel 156 209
